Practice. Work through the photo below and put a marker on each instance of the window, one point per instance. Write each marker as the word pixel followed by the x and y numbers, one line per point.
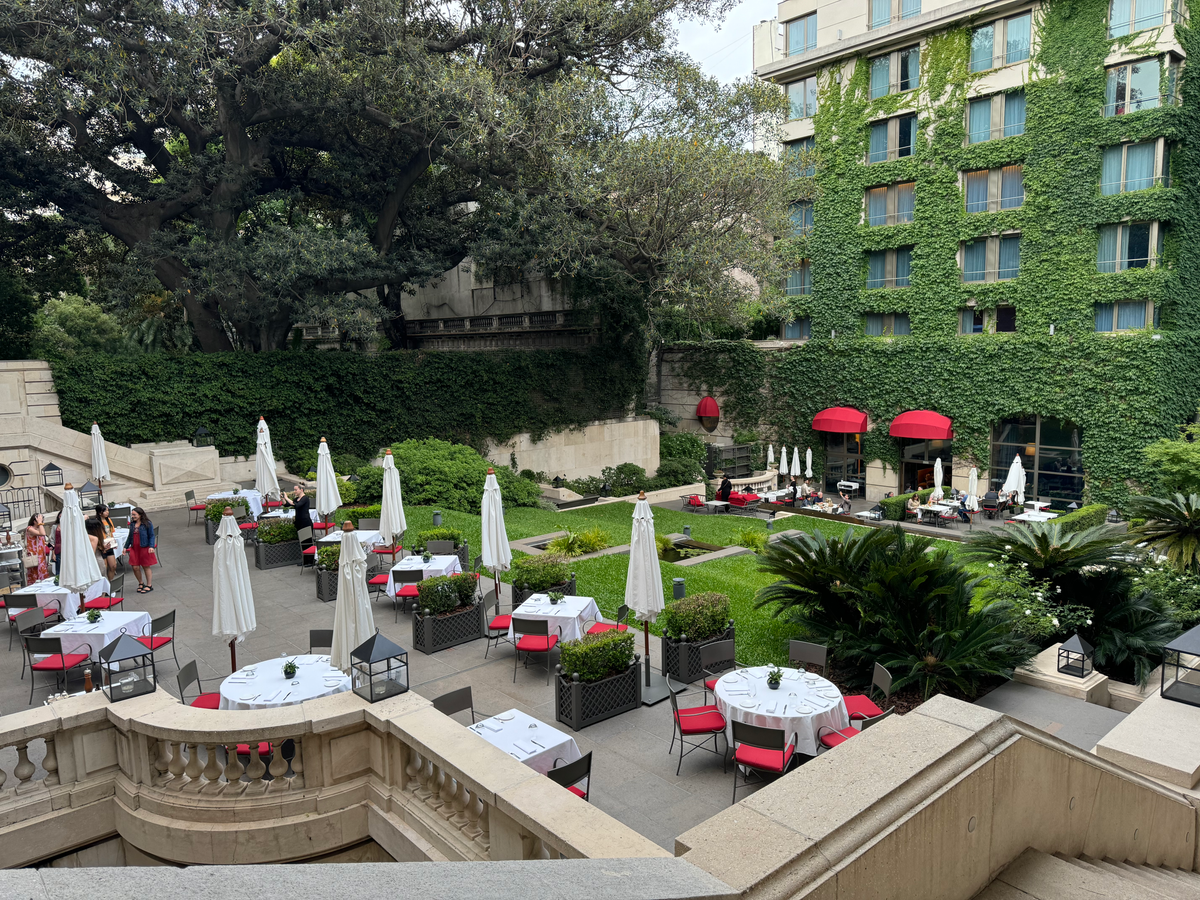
pixel 844 462
pixel 802 217
pixel 883 12
pixel 1006 319
pixel 1131 167
pixel 989 190
pixel 1001 43
pixel 889 268
pixel 906 64
pixel 970 322
pixel 804 146
pixel 799 282
pixel 885 324
pixel 992 117
pixel 802 34
pixel 1129 245
pixel 910 9
pixel 1050 453
pixel 1132 87
pixel 892 139
pixel 798 329
pixel 891 205
pixel 802 98
pixel 1001 319
pixel 917 458
pixel 1127 315
pixel 1128 16
pixel 992 258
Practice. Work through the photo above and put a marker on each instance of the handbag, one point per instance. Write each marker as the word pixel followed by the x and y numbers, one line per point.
pixel 31 560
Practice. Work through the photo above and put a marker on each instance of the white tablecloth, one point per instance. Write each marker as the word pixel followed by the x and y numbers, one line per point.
pixel 279 514
pixel 50 594
pixel 367 538
pixel 121 535
pixel 571 614
pixel 538 747
pixel 439 565
pixel 80 637
pixel 1035 517
pixel 744 696
pixel 267 688
pixel 252 497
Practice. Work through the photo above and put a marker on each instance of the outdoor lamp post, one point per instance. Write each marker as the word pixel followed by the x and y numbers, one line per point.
pixel 1075 657
pixel 678 591
pixel 1181 668
pixel 52 475
pixel 202 438
pixel 771 521
pixel 437 518
pixel 127 669
pixel 380 668
pixel 687 531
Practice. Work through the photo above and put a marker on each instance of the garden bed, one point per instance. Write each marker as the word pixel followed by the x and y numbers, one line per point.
pixel 459 626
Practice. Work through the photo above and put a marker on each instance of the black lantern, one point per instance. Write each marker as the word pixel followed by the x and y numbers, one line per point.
pixel 687 532
pixel 605 489
pixel 558 481
pixel 1075 657
pixel 380 668
pixel 52 475
pixel 202 438
pixel 1181 668
pixel 354 479
pixel 89 491
pixel 127 669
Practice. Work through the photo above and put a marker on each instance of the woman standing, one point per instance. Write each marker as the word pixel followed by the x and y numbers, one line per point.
pixel 57 542
pixel 108 540
pixel 37 550
pixel 299 501
pixel 140 545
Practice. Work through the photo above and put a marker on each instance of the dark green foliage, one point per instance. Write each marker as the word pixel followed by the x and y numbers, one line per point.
pixel 306 461
pixel 369 485
pixel 354 513
pixel 1052 554
pixel 893 507
pixel 684 445
pixel 276 531
pixel 539 573
pixel 699 616
pixel 442 533
pixel 437 473
pixel 215 509
pixel 1171 529
pixel 675 472
pixel 17 308
pixel 1085 517
pixel 596 656
pixel 328 556
pixel 444 593
pixel 1179 591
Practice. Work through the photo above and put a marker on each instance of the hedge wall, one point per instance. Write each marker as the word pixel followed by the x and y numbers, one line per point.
pixel 359 402
pixel 1085 517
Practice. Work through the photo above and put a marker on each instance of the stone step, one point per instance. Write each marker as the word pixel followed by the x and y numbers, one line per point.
pixel 1035 875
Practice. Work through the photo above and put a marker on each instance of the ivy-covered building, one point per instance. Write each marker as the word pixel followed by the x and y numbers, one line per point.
pixel 1001 251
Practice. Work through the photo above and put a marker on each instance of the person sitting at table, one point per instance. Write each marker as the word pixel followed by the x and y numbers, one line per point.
pixel 845 501
pixel 913 505
pixel 962 507
pixel 108 549
pixel 725 489
pixel 299 501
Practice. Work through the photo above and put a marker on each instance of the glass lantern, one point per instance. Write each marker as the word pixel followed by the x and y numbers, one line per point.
pixel 89 491
pixel 1075 657
pixel 1181 668
pixel 380 668
pixel 127 669
pixel 52 475
pixel 202 438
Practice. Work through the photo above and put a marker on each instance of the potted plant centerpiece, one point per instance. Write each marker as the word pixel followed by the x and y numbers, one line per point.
pixel 447 613
pixel 689 624
pixel 597 678
pixel 556 597
pixel 277 544
pixel 93 616
pixel 289 669
pixel 774 678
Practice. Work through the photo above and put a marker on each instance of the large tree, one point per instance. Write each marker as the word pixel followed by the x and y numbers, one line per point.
pixel 275 158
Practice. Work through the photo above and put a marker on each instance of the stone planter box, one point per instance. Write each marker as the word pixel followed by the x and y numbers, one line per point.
pixel 327 585
pixel 434 633
pixel 681 658
pixel 579 705
pixel 272 556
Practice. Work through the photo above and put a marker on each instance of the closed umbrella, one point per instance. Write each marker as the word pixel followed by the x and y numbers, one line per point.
pixel 329 498
pixel 353 621
pixel 265 480
pixel 1016 480
pixel 808 463
pixel 233 600
pixel 99 460
pixel 77 567
pixel 770 456
pixel 497 556
pixel 783 465
pixel 391 512
pixel 795 460
pixel 973 490
pixel 937 480
pixel 644 589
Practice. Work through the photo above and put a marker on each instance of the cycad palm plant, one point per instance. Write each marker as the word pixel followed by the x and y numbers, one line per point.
pixel 1172 528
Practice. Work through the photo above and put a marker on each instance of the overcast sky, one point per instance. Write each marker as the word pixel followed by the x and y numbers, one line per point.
pixel 724 52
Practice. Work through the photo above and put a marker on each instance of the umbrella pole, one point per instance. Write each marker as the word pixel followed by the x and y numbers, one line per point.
pixel 655 689
pixel 233 654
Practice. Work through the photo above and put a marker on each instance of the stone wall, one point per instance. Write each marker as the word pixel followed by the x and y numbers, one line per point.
pixel 582 453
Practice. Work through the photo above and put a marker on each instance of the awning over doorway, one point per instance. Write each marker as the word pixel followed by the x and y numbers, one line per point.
pixel 840 419
pixel 922 423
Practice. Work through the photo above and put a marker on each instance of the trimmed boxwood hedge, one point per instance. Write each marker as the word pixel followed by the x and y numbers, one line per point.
pixel 893 507
pixel 700 616
pixel 597 656
pixel 443 593
pixel 1084 517
pixel 276 531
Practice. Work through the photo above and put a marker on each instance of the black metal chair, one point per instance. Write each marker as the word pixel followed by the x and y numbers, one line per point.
pixel 456 702
pixel 14 604
pixel 618 625
pixel 828 737
pixel 703 722
pixel 716 659
pixel 189 675
pixel 406 581
pixel 802 653
pixel 497 623
pixel 308 548
pixel 533 636
pixel 442 548
pixel 156 635
pixel 320 639
pixel 30 623
pixel 53 661
pixel 760 751
pixel 570 774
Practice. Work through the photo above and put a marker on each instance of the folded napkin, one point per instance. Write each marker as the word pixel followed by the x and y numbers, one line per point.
pixel 235 680
pixel 490 727
pixel 527 749
pixel 272 697
pixel 738 693
pixel 771 708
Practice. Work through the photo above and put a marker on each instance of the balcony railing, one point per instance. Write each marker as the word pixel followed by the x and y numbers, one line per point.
pixel 1123 107
pixel 896 218
pixel 536 321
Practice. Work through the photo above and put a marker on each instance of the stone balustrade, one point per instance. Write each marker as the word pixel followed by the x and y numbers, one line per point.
pixel 170 780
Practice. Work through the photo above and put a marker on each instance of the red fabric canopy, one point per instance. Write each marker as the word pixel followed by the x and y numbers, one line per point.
pixel 707 407
pixel 922 423
pixel 840 419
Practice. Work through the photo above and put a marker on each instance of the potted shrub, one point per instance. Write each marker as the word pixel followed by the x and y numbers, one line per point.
pixel 447 613
pixel 689 624
pixel 542 574
pixel 597 678
pixel 213 512
pixel 277 544
pixel 327 571
pixel 445 533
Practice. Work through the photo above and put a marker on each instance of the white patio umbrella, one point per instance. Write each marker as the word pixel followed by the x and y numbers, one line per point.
pixel 391 512
pixel 497 556
pixel 1016 480
pixel 808 463
pixel 643 588
pixel 783 465
pixel 937 480
pixel 233 599
pixel 973 490
pixel 99 459
pixel 353 621
pixel 770 456
pixel 77 567
pixel 795 460
pixel 329 498
pixel 265 480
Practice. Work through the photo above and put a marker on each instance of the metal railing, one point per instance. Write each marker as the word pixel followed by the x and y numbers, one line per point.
pixel 896 218
pixel 1124 107
pixel 536 321
pixel 22 503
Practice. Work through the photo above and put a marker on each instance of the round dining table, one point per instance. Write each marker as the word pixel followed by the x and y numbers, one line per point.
pixel 263 685
pixel 803 703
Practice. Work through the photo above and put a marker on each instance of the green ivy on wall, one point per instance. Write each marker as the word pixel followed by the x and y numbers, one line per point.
pixel 1124 390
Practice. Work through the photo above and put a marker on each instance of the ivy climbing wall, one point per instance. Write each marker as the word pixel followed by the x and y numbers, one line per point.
pixel 1124 389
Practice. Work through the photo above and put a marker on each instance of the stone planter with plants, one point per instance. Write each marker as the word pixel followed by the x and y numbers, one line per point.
pixel 213 511
pixel 327 571
pixel 277 545
pixel 447 614
pixel 542 574
pixel 597 678
pixel 688 625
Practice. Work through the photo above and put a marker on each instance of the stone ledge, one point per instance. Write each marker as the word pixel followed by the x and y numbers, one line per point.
pixel 1161 739
pixel 1043 673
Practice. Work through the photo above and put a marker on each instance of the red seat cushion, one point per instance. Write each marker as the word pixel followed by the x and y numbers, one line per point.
pixel 273 504
pixel 601 627
pixel 749 497
pixel 387 550
pixel 767 760
pixel 104 603
pixel 409 590
pixel 207 701
pixel 711 684
pixel 197 507
pixel 248 526
pixel 57 662
pixel 309 551
pixel 577 791
pixel 46 611
pixel 833 738
pixel 378 580
pixel 860 707
pixel 500 623
pixel 321 526
pixel 264 749
pixel 537 643
pixel 701 720
pixel 695 500
pixel 155 642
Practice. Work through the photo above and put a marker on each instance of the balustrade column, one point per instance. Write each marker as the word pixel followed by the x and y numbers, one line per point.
pixel 50 763
pixel 25 769
pixel 446 795
pixel 484 838
pixel 193 768
pixel 278 768
pixel 297 766
pixel 233 768
pixel 212 767
pixel 177 765
pixel 162 762
pixel 257 767
pixel 412 772
pixel 461 801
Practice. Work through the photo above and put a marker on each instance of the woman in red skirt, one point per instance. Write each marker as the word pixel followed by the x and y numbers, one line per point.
pixel 140 545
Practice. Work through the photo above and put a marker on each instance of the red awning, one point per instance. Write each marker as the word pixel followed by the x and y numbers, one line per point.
pixel 840 419
pixel 922 423
pixel 707 407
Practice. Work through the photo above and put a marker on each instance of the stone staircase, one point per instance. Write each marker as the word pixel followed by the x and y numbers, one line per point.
pixel 1035 875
